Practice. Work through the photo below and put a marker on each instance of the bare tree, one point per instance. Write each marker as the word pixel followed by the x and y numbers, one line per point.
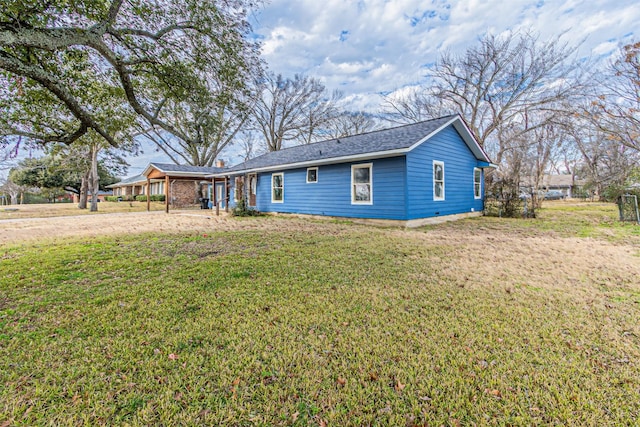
pixel 538 151
pixel 13 190
pixel 514 92
pixel 618 115
pixel 295 109
pixel 249 147
pixel 350 123
pixel 605 161
pixel 496 86
pixel 204 129
pixel 416 104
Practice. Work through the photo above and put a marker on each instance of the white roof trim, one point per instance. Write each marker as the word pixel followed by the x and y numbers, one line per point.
pixel 329 161
pixel 175 173
pixel 126 184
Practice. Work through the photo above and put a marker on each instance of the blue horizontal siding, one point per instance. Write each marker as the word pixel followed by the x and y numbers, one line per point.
pixel 448 147
pixel 402 185
pixel 331 194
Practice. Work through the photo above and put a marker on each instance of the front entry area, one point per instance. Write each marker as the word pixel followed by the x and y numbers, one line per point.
pixel 253 187
pixel 221 199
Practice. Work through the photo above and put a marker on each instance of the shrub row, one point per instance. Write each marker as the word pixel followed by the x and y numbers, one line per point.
pixel 154 198
pixel 138 198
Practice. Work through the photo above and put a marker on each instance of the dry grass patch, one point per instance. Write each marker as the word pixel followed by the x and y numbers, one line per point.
pixel 71 209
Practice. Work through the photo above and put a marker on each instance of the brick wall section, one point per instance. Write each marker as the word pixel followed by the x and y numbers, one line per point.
pixel 183 193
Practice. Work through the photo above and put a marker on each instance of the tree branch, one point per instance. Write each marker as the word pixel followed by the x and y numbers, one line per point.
pixel 50 82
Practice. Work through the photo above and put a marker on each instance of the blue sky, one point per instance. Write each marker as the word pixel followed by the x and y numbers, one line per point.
pixel 368 47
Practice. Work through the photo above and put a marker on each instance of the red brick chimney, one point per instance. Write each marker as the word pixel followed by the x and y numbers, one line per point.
pixel 219 163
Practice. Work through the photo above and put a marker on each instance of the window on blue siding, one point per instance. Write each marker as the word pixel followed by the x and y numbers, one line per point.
pixel 277 188
pixel 477 183
pixel 438 180
pixel 312 175
pixel 361 184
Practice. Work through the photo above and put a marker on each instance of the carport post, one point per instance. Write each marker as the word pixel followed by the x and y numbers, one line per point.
pixel 148 191
pixel 166 193
pixel 226 193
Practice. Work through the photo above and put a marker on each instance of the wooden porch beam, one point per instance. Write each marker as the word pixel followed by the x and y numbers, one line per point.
pixel 166 193
pixel 148 194
pixel 226 193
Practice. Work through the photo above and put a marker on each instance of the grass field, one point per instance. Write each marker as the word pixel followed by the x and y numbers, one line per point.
pixel 289 321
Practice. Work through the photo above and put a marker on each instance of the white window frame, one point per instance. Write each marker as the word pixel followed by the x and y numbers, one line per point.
pixel 273 175
pixel 353 184
pixel 477 185
pixel 307 178
pixel 441 164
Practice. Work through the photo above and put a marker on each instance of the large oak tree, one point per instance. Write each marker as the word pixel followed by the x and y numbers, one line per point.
pixel 69 66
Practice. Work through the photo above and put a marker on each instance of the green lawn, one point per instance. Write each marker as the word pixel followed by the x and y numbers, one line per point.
pixel 323 323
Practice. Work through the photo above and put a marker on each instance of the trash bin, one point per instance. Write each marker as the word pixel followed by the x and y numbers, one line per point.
pixel 204 203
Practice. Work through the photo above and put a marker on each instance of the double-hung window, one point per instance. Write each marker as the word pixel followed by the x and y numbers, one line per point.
pixel 277 188
pixel 477 183
pixel 362 184
pixel 438 180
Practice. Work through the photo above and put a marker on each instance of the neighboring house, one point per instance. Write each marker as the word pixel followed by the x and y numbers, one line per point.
pixel 412 173
pixel 182 185
pixel 130 187
pixel 567 184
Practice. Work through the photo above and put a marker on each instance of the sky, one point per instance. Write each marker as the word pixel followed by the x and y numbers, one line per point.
pixel 366 48
pixel 370 47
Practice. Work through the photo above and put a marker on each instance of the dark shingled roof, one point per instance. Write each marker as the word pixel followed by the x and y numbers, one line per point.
pixel 169 167
pixel 397 138
pixel 130 180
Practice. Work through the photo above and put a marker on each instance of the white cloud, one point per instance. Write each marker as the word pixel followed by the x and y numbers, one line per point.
pixel 372 46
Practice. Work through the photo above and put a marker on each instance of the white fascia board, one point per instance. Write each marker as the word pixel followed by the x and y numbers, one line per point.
pixel 151 166
pixel 489 166
pixel 329 161
pixel 126 184
pixel 202 175
pixel 148 169
pixel 466 135
pixel 433 133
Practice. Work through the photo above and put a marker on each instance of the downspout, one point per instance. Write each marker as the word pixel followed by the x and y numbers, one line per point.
pixel 148 191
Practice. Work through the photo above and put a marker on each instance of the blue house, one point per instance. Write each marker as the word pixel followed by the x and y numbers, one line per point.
pixel 411 174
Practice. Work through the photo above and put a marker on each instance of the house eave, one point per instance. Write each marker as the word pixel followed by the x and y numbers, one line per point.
pixel 128 184
pixel 178 174
pixel 320 162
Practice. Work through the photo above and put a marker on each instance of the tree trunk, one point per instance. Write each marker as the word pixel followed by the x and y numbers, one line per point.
pixel 94 179
pixel 82 200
